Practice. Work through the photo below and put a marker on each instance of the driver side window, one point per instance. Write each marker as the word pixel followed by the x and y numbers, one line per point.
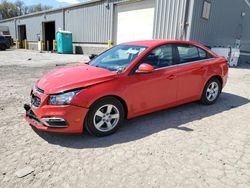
pixel 160 57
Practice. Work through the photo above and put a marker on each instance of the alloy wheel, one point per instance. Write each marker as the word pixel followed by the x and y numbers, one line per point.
pixel 106 118
pixel 212 91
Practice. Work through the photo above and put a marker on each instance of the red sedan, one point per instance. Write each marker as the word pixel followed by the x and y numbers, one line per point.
pixel 126 81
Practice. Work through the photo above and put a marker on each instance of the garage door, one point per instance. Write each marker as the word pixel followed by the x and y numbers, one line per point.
pixel 134 21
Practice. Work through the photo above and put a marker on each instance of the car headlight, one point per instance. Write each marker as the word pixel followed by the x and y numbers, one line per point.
pixel 62 99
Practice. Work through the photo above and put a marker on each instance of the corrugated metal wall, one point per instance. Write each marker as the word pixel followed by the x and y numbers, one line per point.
pixel 11 25
pixel 34 24
pixel 90 23
pixel 93 22
pixel 170 19
pixel 225 24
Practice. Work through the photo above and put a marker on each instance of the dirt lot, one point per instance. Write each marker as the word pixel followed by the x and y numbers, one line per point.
pixel 188 146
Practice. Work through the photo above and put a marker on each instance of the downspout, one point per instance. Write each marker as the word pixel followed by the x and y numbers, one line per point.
pixel 111 35
pixel 63 11
pixel 15 29
pixel 189 19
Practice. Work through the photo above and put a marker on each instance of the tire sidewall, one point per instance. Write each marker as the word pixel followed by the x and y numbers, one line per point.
pixel 89 124
pixel 204 99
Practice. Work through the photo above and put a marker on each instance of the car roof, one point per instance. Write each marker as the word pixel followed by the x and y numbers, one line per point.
pixel 153 43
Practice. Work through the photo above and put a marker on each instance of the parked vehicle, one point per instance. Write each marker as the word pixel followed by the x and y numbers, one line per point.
pixel 126 81
pixel 4 43
pixel 9 39
pixel 4 31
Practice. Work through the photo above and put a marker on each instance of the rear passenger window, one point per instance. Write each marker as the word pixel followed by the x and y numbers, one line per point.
pixel 189 53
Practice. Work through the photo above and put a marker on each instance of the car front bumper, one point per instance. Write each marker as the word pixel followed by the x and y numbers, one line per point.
pixel 62 119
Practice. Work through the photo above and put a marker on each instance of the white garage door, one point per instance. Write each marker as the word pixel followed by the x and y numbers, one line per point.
pixel 134 21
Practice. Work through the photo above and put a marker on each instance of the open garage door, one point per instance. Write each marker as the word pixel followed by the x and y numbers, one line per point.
pixel 134 21
pixel 22 35
pixel 49 31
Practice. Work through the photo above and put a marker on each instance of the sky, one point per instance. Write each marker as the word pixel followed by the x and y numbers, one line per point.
pixel 53 3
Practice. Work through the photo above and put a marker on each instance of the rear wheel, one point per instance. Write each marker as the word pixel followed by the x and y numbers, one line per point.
pixel 3 47
pixel 104 117
pixel 211 91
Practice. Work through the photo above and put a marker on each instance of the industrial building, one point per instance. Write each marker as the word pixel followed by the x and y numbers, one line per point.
pixel 94 23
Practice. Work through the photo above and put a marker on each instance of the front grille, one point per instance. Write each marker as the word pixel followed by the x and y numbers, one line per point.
pixel 57 123
pixel 35 101
pixel 32 116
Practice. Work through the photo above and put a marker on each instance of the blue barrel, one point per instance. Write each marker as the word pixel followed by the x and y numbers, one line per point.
pixel 64 42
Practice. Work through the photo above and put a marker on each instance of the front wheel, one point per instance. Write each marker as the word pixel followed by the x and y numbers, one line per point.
pixel 211 91
pixel 2 47
pixel 104 117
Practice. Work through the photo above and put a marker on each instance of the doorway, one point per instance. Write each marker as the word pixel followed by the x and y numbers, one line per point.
pixel 49 35
pixel 22 35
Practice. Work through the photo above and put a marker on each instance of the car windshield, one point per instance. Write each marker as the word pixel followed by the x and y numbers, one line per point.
pixel 117 58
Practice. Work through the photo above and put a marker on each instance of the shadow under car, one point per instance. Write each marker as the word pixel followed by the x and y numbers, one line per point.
pixel 143 126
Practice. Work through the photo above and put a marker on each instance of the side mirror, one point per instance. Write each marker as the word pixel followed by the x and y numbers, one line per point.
pixel 92 56
pixel 145 68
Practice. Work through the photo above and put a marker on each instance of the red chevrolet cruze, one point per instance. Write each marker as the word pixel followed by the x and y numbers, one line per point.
pixel 126 81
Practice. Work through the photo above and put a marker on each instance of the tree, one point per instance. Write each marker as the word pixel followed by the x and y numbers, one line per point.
pixel 9 9
pixel 37 8
pixel 20 7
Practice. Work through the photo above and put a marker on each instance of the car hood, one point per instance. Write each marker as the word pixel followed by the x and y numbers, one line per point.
pixel 73 77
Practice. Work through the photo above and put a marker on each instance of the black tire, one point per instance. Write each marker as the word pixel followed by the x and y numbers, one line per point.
pixel 98 106
pixel 205 99
pixel 3 47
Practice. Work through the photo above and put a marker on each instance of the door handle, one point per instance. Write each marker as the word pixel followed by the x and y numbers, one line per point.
pixel 171 77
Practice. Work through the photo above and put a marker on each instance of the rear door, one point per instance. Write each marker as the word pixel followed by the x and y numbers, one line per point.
pixel 192 69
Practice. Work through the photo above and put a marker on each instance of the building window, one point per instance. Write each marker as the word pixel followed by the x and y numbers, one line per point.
pixel 206 10
pixel 247 2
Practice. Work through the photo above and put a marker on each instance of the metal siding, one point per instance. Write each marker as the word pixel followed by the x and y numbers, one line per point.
pixel 225 24
pixel 169 19
pixel 93 20
pixel 11 25
pixel 34 23
pixel 93 23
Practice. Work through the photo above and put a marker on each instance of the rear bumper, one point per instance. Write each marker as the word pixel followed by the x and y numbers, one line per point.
pixel 71 117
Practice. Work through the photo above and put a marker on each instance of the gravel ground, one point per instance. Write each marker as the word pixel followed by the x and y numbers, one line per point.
pixel 187 146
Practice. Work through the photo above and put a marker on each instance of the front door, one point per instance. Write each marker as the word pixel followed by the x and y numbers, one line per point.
pixel 154 90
